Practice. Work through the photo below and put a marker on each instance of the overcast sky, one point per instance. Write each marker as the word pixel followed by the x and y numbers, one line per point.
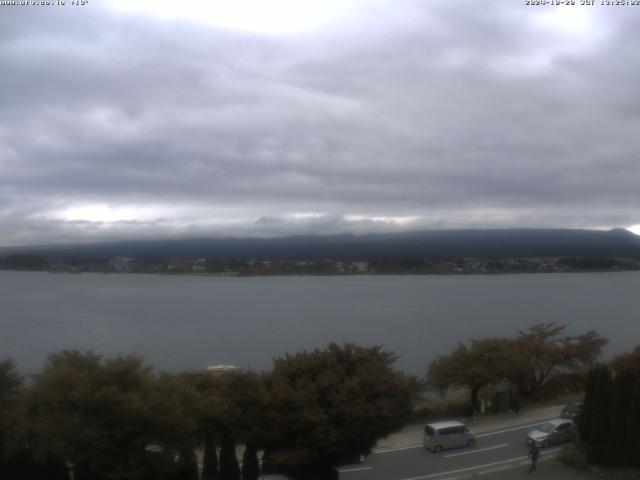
pixel 143 120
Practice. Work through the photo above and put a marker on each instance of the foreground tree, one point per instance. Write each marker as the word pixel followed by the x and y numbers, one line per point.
pixel 595 422
pixel 19 457
pixel 250 464
pixel 103 415
pixel 233 404
pixel 12 449
pixel 326 407
pixel 210 459
pixel 610 421
pixel 229 468
pixel 10 385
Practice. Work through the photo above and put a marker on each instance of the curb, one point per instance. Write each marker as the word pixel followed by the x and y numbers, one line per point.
pixel 521 420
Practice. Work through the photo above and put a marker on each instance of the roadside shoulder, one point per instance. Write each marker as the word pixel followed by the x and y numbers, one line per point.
pixel 411 435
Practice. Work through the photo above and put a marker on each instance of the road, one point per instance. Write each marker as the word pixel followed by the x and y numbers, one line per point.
pixel 495 451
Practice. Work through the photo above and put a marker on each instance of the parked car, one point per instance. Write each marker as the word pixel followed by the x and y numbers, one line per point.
pixel 572 410
pixel 451 434
pixel 554 431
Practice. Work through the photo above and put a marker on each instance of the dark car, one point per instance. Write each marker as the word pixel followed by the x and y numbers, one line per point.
pixel 572 410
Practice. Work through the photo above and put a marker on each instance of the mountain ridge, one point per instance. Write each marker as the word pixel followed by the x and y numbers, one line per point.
pixel 512 242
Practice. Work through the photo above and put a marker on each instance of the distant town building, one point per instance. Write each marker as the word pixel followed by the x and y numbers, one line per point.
pixel 199 265
pixel 122 264
pixel 222 369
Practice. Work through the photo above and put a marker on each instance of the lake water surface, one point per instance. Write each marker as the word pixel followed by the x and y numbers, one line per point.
pixel 185 322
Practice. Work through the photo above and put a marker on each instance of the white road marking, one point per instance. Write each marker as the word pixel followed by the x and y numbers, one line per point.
pixel 477 450
pixel 476 467
pixel 355 469
pixel 496 469
pixel 544 454
pixel 409 447
pixel 459 477
pixel 511 429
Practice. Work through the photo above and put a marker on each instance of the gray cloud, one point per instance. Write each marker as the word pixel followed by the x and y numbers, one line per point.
pixel 408 115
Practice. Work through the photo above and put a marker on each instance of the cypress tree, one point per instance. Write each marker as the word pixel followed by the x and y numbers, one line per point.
pixel 631 441
pixel 229 468
pixel 210 460
pixel 187 468
pixel 82 471
pixel 250 465
pixel 584 422
pixel 268 466
pixel 600 416
pixel 54 469
pixel 623 387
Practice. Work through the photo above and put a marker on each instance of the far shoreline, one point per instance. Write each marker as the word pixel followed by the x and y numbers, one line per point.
pixel 328 274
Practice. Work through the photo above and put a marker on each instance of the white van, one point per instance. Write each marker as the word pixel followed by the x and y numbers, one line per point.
pixel 442 435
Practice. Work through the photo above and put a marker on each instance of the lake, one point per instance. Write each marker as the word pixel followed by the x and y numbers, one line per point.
pixel 187 322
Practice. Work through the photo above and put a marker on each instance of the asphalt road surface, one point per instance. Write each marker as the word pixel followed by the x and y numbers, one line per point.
pixel 495 451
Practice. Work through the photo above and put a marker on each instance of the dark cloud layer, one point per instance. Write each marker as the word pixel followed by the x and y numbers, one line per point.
pixel 406 114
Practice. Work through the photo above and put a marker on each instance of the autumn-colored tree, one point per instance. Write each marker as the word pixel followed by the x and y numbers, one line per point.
pixel 628 362
pixel 527 361
pixel 543 350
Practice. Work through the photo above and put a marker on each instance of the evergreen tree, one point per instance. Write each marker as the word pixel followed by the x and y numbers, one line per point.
pixel 188 465
pixel 584 421
pixel 210 460
pixel 599 420
pixel 630 444
pixel 623 386
pixel 229 468
pixel 51 468
pixel 610 421
pixel 250 465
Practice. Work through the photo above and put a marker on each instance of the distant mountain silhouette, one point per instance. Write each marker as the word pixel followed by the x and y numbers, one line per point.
pixel 426 244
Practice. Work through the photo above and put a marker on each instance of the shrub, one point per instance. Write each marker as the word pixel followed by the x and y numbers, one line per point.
pixel 574 455
pixel 428 410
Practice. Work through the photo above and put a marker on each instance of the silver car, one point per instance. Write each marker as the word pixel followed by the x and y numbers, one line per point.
pixel 554 431
pixel 451 434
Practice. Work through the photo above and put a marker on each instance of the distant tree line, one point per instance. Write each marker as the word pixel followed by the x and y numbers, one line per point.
pixel 610 421
pixel 526 362
pixel 24 262
pixel 98 418
pixel 338 265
